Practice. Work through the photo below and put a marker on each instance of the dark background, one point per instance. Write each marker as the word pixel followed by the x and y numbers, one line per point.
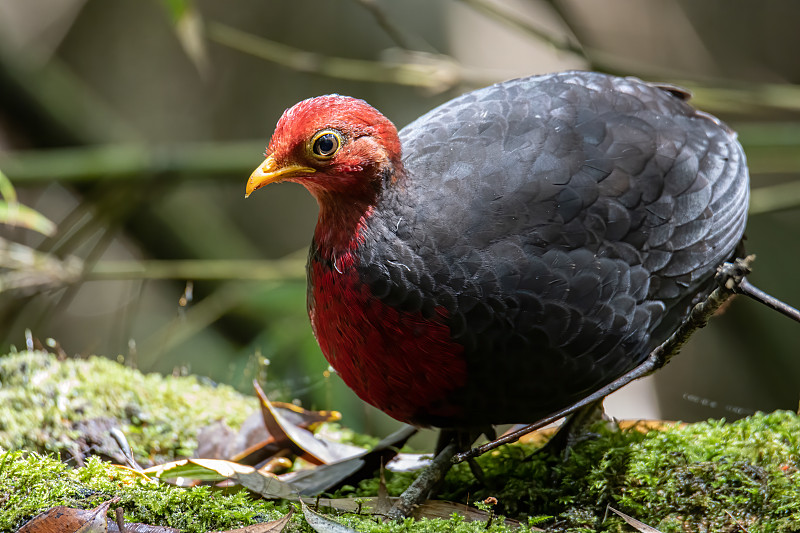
pixel 134 124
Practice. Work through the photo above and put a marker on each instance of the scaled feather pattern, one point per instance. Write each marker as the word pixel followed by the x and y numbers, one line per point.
pixel 513 250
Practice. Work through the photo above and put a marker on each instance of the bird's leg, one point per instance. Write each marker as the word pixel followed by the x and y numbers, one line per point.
pixel 729 278
pixel 573 430
pixel 450 442
pixel 418 491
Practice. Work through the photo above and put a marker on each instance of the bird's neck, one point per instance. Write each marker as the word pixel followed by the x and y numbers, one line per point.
pixel 345 213
pixel 340 226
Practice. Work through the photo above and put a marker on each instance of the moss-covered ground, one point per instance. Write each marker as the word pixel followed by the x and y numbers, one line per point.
pixel 55 406
pixel 712 476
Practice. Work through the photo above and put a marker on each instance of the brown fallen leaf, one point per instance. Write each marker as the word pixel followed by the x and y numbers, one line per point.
pixel 637 525
pixel 275 526
pixel 303 418
pixel 301 441
pixel 135 527
pixel 63 519
pixel 349 471
pixel 323 524
pixel 541 436
pixel 427 509
pixel 253 444
pixel 263 483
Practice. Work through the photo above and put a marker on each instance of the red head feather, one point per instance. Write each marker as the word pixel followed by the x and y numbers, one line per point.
pixel 360 154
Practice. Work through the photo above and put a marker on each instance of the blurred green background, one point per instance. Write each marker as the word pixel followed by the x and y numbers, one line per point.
pixel 134 124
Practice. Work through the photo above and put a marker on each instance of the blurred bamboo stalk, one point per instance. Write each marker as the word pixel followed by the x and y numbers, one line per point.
pixel 434 72
pixel 130 161
pixel 770 148
pixel 775 198
pixel 23 268
pixel 195 319
pixel 200 269
pixel 511 18
pixel 440 72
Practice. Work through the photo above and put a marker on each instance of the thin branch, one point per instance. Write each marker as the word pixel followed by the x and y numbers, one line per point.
pixel 507 16
pixel 434 72
pixel 770 148
pixel 748 289
pixel 394 33
pixel 130 161
pixel 200 269
pixel 775 198
pixel 437 74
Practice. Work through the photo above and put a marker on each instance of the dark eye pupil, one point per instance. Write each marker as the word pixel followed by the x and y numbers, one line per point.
pixel 326 144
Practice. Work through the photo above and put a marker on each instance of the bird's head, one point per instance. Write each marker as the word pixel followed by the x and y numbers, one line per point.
pixel 335 146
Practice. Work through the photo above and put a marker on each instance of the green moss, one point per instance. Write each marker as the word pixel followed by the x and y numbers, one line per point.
pixel 45 405
pixel 711 476
pixel 455 524
pixel 31 483
pixel 747 469
pixel 701 477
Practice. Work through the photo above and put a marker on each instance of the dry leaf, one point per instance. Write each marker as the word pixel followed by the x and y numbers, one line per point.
pixel 637 525
pixel 427 509
pixel 275 526
pixel 63 519
pixel 253 444
pixel 134 527
pixel 301 441
pixel 541 436
pixel 352 470
pixel 323 524
pixel 263 483
pixel 303 418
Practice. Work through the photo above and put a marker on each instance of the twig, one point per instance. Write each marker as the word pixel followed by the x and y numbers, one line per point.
pixel 512 19
pixel 775 198
pixel 119 517
pixel 436 73
pixel 200 269
pixel 746 288
pixel 767 152
pixel 125 448
pixel 132 162
pixel 697 318
pixel 394 33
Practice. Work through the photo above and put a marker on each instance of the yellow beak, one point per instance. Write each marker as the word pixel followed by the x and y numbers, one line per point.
pixel 270 171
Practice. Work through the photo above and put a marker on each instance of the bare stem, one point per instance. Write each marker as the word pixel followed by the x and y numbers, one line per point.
pixel 199 269
pixel 512 19
pixel 434 72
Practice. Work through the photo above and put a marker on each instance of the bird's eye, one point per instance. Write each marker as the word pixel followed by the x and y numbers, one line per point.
pixel 325 144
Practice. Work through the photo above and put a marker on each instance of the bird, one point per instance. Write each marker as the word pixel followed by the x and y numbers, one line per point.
pixel 514 249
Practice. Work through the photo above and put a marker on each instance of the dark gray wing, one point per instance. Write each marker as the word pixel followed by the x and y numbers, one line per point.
pixel 565 222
